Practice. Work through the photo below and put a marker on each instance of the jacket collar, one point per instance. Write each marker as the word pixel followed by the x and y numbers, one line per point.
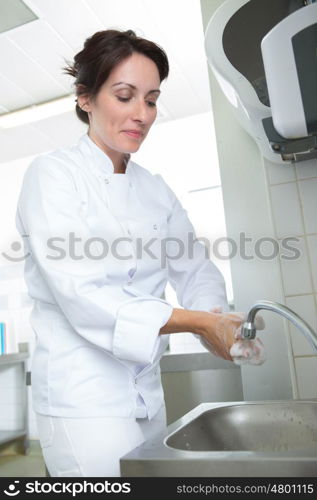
pixel 100 159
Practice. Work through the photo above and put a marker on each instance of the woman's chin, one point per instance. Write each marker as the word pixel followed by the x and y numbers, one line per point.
pixel 131 148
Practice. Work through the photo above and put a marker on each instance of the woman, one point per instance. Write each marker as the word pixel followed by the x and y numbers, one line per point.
pixel 99 319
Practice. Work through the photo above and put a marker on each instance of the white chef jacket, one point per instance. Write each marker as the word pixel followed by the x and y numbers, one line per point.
pixel 98 308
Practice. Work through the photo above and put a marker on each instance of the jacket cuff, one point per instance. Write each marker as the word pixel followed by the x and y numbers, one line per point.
pixel 137 328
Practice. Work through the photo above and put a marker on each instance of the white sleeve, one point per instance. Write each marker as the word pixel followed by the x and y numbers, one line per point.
pixel 49 206
pixel 198 283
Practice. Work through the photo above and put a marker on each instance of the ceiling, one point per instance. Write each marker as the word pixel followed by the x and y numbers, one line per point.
pixel 33 54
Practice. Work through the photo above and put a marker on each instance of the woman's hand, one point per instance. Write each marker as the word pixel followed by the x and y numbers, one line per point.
pixel 240 351
pixel 219 333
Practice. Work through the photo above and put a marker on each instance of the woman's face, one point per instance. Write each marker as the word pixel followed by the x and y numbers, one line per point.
pixel 124 109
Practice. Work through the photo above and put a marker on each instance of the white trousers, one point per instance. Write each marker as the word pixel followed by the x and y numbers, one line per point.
pixel 92 447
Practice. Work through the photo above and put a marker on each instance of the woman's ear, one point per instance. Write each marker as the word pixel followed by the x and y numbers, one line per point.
pixel 83 100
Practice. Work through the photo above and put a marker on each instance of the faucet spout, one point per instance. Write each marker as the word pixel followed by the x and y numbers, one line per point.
pixel 248 330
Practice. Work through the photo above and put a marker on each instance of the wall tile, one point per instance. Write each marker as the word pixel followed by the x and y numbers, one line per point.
pixel 306 371
pixel 296 273
pixel 11 417
pixel 10 424
pixel 280 173
pixel 312 248
pixel 305 169
pixel 304 306
pixel 308 195
pixel 11 396
pixel 11 376
pixel 286 210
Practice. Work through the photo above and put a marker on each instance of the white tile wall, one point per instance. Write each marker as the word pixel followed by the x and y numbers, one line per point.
pixel 312 248
pixel 306 370
pixel 12 383
pixel 308 194
pixel 286 210
pixel 294 208
pixel 305 306
pixel 306 169
pixel 296 273
pixel 12 409
pixel 10 397
pixel 281 173
pixel 10 377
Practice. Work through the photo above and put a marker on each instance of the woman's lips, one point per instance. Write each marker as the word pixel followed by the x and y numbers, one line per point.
pixel 133 133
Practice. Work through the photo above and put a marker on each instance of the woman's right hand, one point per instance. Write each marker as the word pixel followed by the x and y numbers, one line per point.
pixel 219 332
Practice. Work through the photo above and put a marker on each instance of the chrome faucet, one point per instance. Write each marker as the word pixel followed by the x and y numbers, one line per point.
pixel 248 330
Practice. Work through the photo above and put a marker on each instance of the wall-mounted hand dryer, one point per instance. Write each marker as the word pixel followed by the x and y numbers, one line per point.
pixel 264 56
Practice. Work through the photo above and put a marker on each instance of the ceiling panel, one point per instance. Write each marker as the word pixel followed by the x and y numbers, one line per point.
pixel 185 21
pixel 17 66
pixel 13 97
pixel 72 19
pixel 46 48
pixel 13 14
pixel 178 95
pixel 185 50
pixel 121 15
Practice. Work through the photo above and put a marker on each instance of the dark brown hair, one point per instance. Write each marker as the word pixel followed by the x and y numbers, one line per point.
pixel 101 53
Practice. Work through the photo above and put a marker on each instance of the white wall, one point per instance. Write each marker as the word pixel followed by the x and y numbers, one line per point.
pixel 267 200
pixel 293 201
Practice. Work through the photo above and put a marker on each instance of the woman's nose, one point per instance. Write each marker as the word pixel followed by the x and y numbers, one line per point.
pixel 140 111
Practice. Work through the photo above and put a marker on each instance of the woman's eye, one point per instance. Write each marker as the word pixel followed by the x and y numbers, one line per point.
pixel 123 99
pixel 152 104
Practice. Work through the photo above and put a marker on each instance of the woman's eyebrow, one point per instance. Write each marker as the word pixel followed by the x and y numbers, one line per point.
pixel 133 87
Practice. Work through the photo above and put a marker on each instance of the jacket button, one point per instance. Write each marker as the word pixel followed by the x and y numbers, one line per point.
pixel 131 272
pixel 155 226
pixel 107 181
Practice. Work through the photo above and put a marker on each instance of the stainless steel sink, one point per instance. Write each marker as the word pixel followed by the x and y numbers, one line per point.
pixel 251 427
pixel 263 438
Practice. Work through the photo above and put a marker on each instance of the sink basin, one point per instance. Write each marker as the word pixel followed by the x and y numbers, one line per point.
pixel 251 427
pixel 233 439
